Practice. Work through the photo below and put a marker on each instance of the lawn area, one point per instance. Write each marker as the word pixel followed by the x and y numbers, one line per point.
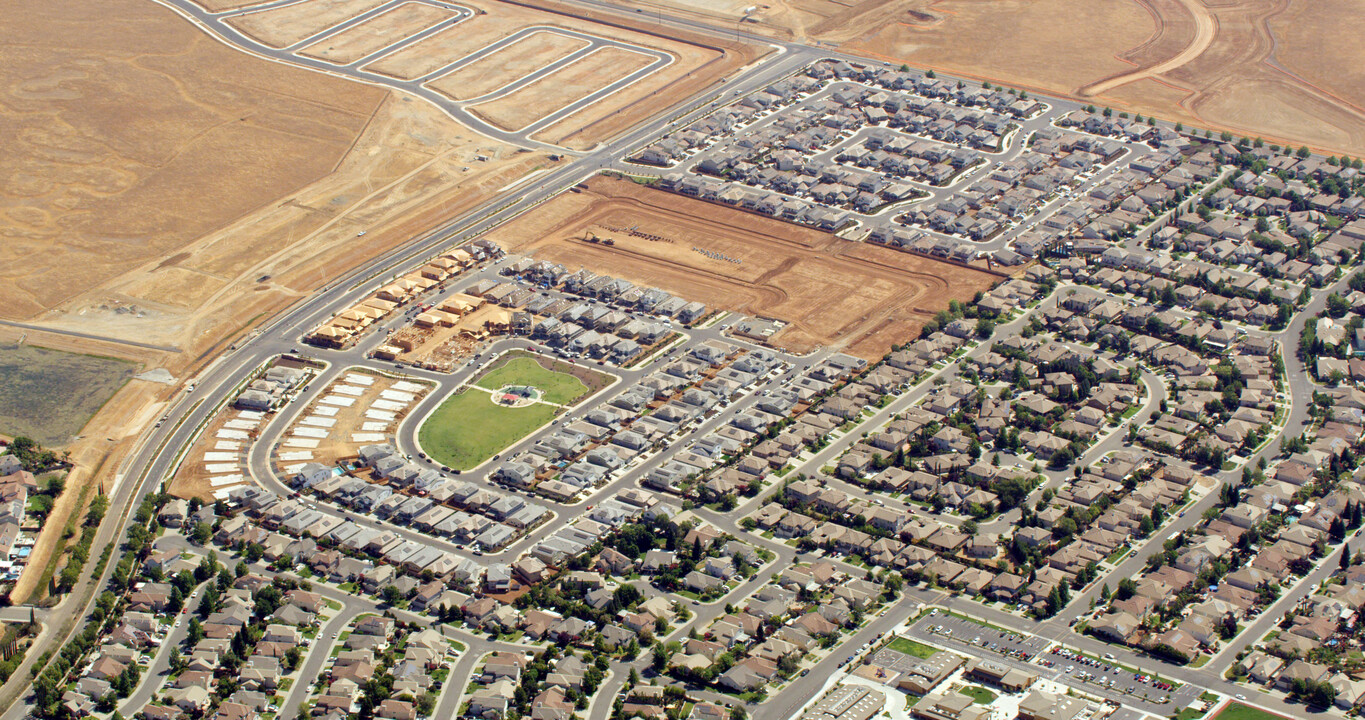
pixel 49 395
pixel 556 387
pixel 468 428
pixel 978 694
pixel 911 648
pixel 1238 711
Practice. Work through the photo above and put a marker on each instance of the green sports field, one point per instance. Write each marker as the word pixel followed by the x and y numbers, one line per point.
pixel 559 388
pixel 468 428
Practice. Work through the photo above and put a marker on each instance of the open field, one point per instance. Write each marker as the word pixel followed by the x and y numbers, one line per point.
pixel 561 88
pixel 555 387
pixel 285 26
pixel 831 291
pixel 376 34
pixel 49 395
pixel 512 62
pixel 88 193
pixel 411 170
pixel 469 428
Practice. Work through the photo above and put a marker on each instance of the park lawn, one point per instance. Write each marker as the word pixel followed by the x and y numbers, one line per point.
pixel 555 387
pixel 911 648
pixel 49 395
pixel 1238 711
pixel 468 428
pixel 978 694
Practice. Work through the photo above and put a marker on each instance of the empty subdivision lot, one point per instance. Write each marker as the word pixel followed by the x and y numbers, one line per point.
pixel 378 33
pixel 562 87
pixel 507 65
pixel 831 292
pixel 285 26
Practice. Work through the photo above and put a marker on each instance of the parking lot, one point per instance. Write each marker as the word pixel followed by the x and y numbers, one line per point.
pixel 985 640
pixel 1093 676
pixel 1103 674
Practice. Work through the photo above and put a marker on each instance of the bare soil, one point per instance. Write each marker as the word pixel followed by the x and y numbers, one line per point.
pixel 507 65
pixel 833 292
pixel 561 88
pixel 373 35
pixel 288 25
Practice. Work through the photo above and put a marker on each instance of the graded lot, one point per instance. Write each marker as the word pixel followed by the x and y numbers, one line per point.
pixel 285 26
pixel 362 40
pixel 507 65
pixel 562 87
pixel 832 292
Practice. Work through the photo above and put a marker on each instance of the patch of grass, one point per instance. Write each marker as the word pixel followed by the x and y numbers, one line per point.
pixel 555 387
pixel 468 428
pixel 1118 554
pixel 978 694
pixel 910 647
pixel 1238 711
pixel 49 395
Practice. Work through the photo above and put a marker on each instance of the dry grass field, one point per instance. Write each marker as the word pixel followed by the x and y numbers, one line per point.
pixel 833 292
pixel 511 63
pixel 125 146
pixel 361 40
pixel 561 88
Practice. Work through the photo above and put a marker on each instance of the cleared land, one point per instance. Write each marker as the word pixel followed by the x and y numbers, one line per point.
pixel 561 88
pixel 469 428
pixel 507 65
pixel 556 387
pixel 373 35
pixel 831 291
pixel 699 62
pixel 288 25
pixel 49 395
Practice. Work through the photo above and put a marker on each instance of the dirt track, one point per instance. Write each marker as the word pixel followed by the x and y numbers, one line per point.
pixel 832 292
pixel 1206 28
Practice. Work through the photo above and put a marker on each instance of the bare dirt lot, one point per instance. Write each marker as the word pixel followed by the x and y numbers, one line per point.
pixel 285 26
pixel 507 65
pixel 832 292
pixel 562 88
pixel 361 40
